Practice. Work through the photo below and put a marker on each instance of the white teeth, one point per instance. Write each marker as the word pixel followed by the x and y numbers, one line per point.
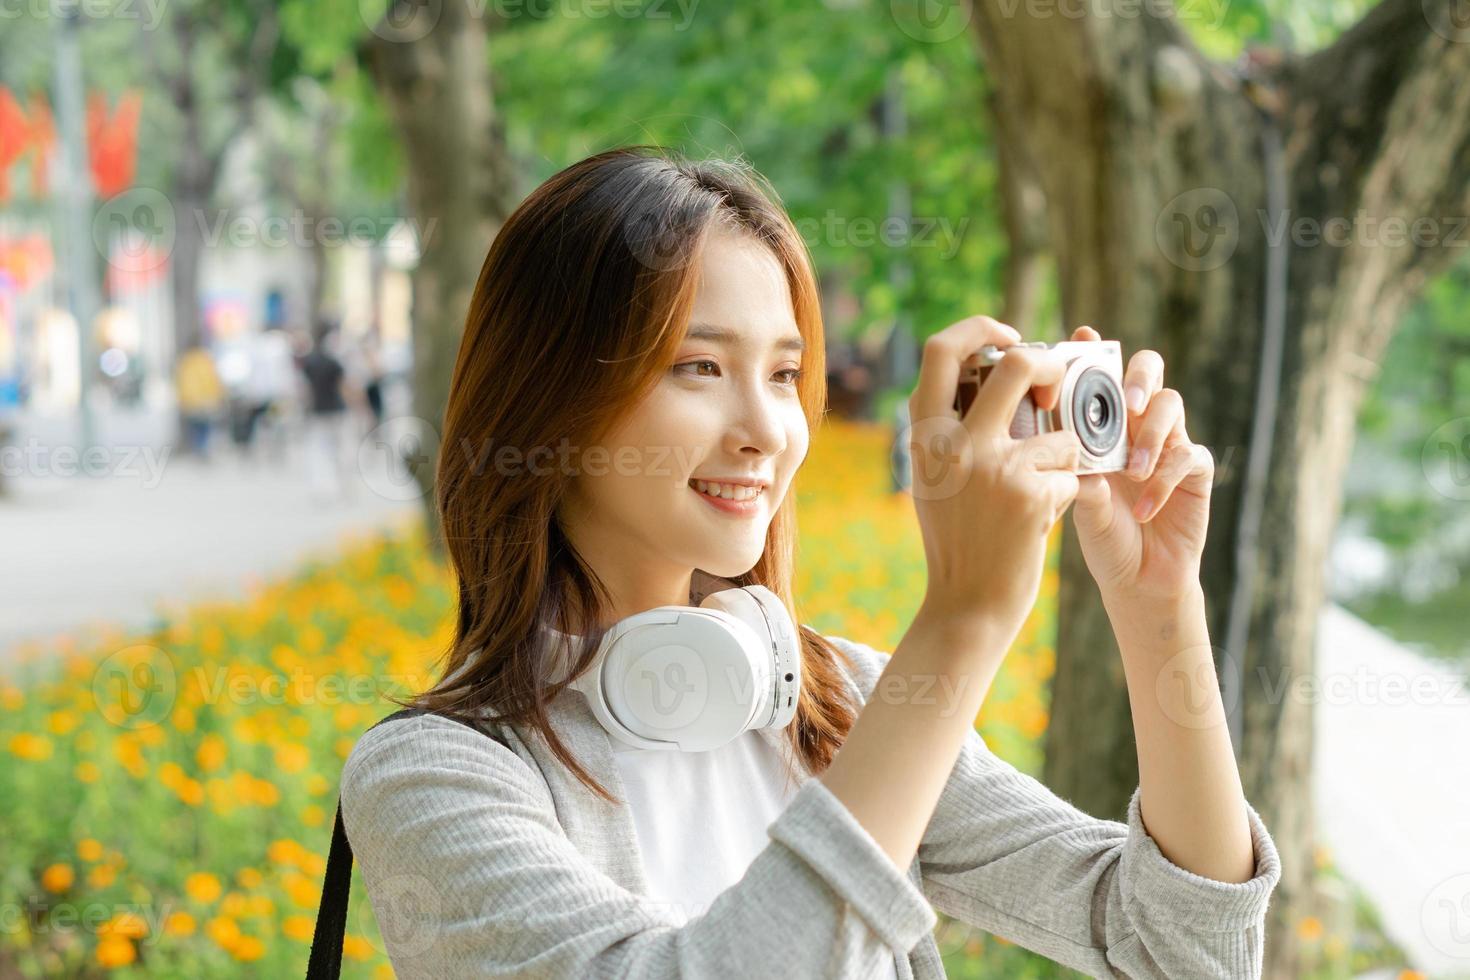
pixel 727 491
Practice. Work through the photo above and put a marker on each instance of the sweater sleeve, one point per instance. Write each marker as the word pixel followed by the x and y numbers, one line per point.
pixel 1006 855
pixel 471 875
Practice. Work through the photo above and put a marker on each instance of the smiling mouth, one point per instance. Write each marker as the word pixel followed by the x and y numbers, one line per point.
pixel 727 493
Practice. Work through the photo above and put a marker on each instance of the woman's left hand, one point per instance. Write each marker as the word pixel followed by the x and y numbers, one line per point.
pixel 1142 532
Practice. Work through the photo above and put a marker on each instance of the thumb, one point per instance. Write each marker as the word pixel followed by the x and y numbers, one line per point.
pixel 1093 508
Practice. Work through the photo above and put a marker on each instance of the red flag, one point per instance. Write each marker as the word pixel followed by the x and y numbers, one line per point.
pixel 112 143
pixel 43 140
pixel 13 135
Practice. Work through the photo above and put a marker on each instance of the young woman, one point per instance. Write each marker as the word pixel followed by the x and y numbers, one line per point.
pixel 645 326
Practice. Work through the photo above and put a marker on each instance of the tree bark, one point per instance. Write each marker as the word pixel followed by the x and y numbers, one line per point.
pixel 461 187
pixel 1151 161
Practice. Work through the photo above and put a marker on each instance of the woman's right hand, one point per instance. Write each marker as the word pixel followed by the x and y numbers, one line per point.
pixel 986 501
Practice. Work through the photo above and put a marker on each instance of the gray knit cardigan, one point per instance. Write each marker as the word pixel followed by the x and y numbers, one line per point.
pixel 490 860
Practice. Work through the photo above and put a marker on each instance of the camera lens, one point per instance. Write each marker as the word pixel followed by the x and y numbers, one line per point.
pixel 1097 411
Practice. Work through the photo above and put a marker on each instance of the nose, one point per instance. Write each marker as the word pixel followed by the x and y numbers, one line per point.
pixel 757 425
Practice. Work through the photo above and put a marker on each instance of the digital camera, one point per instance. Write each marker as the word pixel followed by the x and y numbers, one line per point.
pixel 1091 401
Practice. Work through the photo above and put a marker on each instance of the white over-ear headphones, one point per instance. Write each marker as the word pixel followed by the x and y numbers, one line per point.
pixel 693 678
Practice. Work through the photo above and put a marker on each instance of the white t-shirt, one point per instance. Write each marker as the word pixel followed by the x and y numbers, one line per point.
pixel 701 817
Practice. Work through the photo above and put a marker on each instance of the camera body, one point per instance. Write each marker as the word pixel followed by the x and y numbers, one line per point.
pixel 1090 404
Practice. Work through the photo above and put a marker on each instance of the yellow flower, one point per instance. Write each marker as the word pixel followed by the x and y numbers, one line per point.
pixel 303 891
pixel 179 924
pixel 33 748
pixel 101 876
pixel 299 928
pixel 57 878
pixel 1309 928
pixel 224 931
pixel 88 772
pixel 284 851
pixel 211 753
pixel 129 924
pixel 357 947
pixel 62 722
pixel 202 887
pixel 89 849
pixel 249 877
pixel 248 949
pixel 115 951
pixel 292 757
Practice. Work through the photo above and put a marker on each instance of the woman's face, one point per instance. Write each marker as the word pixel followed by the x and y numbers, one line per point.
pixel 726 411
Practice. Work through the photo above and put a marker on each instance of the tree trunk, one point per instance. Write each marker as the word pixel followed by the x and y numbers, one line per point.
pixel 1155 164
pixel 436 84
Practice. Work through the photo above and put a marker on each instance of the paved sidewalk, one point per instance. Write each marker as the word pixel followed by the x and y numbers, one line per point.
pixel 86 550
pixel 1392 786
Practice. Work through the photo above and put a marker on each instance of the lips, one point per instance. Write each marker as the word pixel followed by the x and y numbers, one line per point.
pixel 731 491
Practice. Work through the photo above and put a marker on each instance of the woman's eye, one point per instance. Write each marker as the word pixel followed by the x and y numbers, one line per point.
pixel 696 364
pixel 788 376
pixel 793 375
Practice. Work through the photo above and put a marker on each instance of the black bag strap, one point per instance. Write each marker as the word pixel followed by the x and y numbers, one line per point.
pixel 331 917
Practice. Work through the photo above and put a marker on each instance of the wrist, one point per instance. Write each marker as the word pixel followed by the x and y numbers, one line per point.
pixel 964 631
pixel 1156 621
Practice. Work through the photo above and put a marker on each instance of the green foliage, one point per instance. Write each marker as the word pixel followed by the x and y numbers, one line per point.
pixel 795 89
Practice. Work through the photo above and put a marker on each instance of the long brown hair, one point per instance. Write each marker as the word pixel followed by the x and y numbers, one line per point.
pixel 579 309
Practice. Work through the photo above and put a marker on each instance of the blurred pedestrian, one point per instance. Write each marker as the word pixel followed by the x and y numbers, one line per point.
pixel 201 395
pixel 326 414
pixel 267 390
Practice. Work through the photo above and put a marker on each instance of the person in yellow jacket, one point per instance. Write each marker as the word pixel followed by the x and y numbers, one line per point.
pixel 201 396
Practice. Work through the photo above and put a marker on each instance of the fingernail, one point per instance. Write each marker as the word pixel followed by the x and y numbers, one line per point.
pixel 1134 395
pixel 1144 505
pixel 1138 462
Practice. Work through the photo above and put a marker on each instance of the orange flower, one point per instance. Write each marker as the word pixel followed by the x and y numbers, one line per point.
pixel 115 951
pixel 57 878
pixel 202 887
pixel 179 924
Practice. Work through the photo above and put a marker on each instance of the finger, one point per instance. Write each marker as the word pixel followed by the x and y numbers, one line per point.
pixel 1180 459
pixel 1086 333
pixel 1146 374
pixel 1059 450
pixel 1165 411
pixel 939 372
pixel 1018 372
pixel 1059 488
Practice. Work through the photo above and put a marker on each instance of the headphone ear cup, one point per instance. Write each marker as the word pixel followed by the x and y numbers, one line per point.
pixel 763 611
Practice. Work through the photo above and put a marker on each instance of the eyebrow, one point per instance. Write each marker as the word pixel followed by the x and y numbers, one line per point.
pixel 724 335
